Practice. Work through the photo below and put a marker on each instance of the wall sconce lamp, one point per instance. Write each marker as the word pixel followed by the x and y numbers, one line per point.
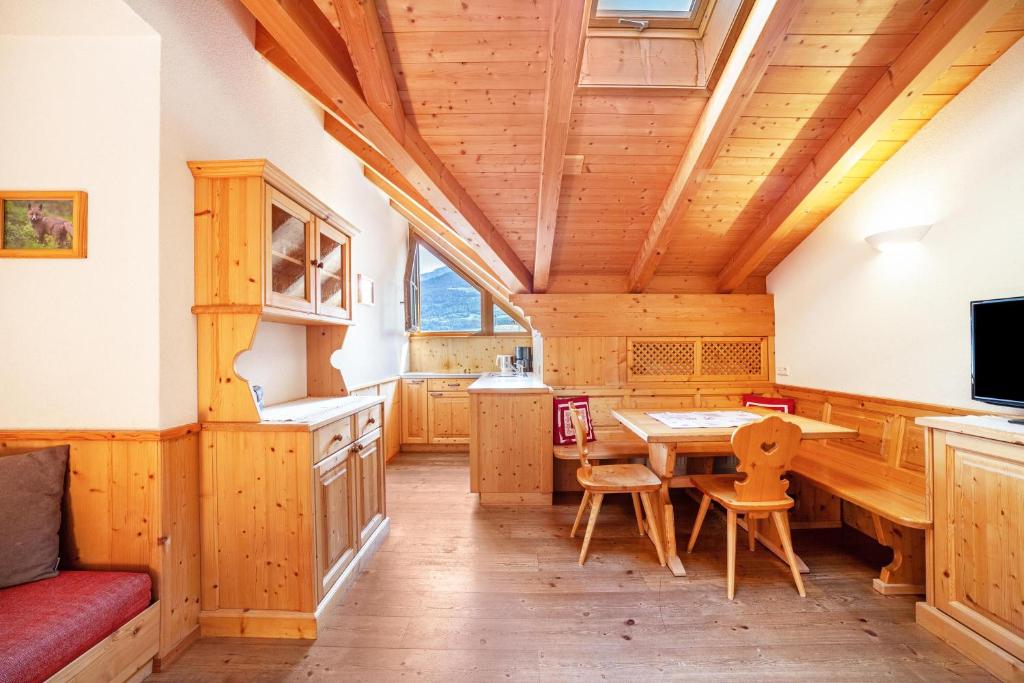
pixel 900 238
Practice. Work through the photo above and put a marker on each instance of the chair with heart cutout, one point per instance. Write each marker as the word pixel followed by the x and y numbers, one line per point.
pixel 764 450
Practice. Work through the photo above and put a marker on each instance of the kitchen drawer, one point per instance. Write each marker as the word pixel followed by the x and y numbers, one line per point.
pixel 368 420
pixel 449 384
pixel 332 437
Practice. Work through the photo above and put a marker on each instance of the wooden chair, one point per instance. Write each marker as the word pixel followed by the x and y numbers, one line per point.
pixel 764 450
pixel 598 480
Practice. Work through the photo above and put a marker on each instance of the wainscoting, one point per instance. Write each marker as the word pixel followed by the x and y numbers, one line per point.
pixel 133 504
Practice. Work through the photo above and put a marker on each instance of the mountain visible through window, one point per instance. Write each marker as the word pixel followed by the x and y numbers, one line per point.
pixel 448 303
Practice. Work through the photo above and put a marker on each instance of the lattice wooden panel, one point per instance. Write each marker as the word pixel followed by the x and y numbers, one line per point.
pixel 731 358
pixel 660 360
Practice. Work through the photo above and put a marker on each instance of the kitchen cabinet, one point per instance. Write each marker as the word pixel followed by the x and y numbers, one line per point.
pixel 435 411
pixel 414 411
pixel 449 417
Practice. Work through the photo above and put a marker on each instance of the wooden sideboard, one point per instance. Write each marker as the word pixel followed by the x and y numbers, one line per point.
pixel 976 548
pixel 292 496
pixel 290 510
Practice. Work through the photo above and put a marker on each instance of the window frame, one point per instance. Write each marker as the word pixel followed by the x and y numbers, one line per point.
pixel 691 19
pixel 413 314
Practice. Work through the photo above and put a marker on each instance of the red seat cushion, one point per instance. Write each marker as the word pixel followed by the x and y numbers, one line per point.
pixel 45 625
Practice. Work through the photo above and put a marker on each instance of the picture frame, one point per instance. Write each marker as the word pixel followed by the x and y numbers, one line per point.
pixel 366 291
pixel 43 223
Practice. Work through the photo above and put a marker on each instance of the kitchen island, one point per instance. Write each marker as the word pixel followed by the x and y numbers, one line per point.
pixel 510 452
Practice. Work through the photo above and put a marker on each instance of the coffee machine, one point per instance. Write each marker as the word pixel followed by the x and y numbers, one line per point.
pixel 524 355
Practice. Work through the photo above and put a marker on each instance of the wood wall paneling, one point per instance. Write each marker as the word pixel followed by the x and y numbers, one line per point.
pixel 132 504
pixel 469 354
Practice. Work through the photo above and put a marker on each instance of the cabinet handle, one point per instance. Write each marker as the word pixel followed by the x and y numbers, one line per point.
pixel 358 447
pixel 337 437
pixel 436 395
pixel 371 421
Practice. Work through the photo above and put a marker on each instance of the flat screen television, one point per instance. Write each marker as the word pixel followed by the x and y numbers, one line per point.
pixel 997 351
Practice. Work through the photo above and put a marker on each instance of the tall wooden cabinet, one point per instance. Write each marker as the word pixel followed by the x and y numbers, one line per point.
pixel 975 598
pixel 292 497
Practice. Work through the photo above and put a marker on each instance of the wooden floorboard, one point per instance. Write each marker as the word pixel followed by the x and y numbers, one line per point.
pixel 464 593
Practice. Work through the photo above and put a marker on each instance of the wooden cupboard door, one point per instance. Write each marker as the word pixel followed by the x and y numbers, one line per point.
pixel 449 417
pixel 371 485
pixel 333 272
pixel 979 536
pixel 335 511
pixel 289 268
pixel 414 411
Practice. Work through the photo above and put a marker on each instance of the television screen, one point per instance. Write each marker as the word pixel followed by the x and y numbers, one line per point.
pixel 997 341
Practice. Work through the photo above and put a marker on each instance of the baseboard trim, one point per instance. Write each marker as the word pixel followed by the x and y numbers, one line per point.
pixel 982 652
pixel 523 499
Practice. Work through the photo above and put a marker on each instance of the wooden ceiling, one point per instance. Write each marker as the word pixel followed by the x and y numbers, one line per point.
pixel 658 189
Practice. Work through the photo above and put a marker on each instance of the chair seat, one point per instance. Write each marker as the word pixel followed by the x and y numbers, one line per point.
pixel 604 450
pixel 618 478
pixel 720 488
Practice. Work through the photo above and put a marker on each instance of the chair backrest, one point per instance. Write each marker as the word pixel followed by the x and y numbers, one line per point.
pixel 580 429
pixel 765 450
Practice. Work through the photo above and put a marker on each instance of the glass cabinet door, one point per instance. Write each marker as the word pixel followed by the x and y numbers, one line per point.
pixel 288 263
pixel 332 271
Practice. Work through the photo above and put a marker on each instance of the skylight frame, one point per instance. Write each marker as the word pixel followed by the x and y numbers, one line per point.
pixel 655 19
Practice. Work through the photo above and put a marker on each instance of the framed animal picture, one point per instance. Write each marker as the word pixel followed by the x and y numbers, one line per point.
pixel 42 224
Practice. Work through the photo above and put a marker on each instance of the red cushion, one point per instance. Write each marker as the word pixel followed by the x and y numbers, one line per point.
pixel 783 405
pixel 563 433
pixel 45 625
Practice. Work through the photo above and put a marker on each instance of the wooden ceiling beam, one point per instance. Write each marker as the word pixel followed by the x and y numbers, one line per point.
pixel 297 26
pixel 953 29
pixel 359 26
pixel 568 35
pixel 761 36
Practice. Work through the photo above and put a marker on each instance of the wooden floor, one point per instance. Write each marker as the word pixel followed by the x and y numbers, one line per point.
pixel 463 593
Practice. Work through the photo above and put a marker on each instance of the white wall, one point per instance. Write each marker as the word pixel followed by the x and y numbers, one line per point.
pixel 79 338
pixel 114 98
pixel 221 100
pixel 898 324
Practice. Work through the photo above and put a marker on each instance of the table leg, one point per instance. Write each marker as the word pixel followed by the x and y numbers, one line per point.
pixel 663 463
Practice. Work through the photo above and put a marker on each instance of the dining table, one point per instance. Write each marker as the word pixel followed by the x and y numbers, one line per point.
pixel 665 444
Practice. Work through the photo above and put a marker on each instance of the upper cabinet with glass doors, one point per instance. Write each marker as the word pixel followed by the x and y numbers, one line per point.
pixel 264 241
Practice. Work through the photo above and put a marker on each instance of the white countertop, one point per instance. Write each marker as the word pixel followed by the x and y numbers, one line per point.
pixel 316 411
pixel 492 382
pixel 440 375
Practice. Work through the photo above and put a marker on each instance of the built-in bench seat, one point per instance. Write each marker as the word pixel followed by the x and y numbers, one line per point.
pixel 78 626
pixel 905 508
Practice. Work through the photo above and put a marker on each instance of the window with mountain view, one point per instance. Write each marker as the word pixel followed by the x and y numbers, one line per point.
pixel 448 303
pixel 439 299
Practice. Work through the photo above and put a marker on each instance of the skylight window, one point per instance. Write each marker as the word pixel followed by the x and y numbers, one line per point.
pixel 642 14
pixel 660 8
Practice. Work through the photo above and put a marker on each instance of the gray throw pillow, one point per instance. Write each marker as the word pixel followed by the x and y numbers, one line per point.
pixel 31 492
